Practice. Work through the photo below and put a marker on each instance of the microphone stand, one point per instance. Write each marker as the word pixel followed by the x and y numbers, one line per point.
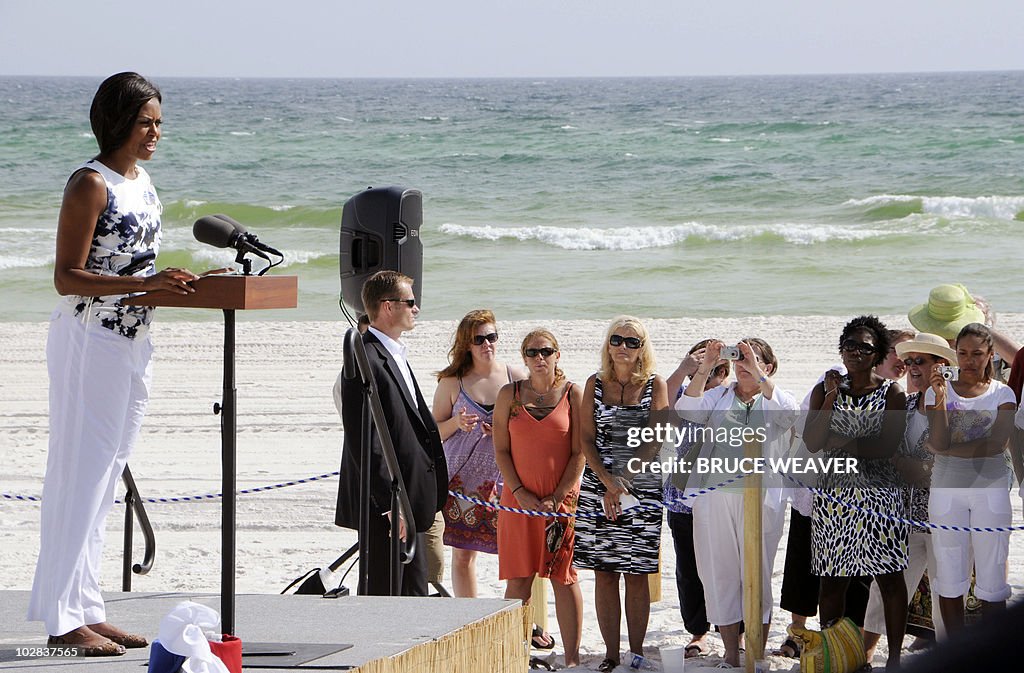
pixel 227 410
pixel 246 263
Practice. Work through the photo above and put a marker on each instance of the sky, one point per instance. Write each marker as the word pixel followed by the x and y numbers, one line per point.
pixel 507 38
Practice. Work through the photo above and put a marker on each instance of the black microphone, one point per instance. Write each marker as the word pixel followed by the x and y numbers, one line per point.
pixel 222 231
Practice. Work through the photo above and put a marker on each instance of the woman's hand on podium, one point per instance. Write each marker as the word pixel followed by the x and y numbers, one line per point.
pixel 172 280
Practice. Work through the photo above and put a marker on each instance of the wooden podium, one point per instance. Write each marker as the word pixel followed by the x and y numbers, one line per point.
pixel 228 293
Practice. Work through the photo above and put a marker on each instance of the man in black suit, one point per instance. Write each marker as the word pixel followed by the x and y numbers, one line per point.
pixel 388 300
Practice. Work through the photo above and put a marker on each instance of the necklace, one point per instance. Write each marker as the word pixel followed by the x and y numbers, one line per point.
pixel 622 391
pixel 540 396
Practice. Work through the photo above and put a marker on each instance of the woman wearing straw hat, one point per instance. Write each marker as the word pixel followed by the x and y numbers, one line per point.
pixel 950 307
pixel 921 356
pixel 970 418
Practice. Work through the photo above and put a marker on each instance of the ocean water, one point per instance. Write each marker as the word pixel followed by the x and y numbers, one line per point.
pixel 570 198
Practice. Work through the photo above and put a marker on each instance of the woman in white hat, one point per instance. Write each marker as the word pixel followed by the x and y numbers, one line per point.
pixel 921 356
pixel 970 418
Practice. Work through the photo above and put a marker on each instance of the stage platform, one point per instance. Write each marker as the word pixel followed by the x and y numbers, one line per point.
pixel 386 634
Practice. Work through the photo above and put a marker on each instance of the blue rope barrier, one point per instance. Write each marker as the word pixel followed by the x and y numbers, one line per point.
pixel 898 519
pixel 594 514
pixel 194 498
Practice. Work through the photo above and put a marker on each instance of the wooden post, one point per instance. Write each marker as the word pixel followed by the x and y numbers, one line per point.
pixel 539 602
pixel 753 544
pixel 654 582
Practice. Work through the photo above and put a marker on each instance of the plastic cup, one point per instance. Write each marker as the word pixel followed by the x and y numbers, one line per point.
pixel 673 658
pixel 762 666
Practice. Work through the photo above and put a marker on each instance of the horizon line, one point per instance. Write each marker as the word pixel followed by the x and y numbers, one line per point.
pixel 536 77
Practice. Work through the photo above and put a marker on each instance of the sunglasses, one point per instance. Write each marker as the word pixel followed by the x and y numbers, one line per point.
pixel 915 361
pixel 632 343
pixel 851 346
pixel 543 352
pixel 479 339
pixel 408 302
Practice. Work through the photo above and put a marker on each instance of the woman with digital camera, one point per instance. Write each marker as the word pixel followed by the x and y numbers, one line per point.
pixel 970 417
pixel 752 406
pixel 921 355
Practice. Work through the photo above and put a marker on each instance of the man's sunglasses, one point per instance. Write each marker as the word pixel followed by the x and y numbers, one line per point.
pixel 408 302
pixel 915 361
pixel 544 352
pixel 632 343
pixel 851 346
pixel 479 339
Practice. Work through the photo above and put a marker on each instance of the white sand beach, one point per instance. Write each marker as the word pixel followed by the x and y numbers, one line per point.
pixel 288 429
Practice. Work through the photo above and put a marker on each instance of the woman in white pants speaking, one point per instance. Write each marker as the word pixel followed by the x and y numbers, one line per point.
pixel 98 353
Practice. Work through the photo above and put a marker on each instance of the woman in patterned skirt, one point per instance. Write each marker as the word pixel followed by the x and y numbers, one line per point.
pixel 848 537
pixel 463 405
pixel 617 398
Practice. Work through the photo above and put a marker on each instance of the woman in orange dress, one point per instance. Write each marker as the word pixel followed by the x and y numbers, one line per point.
pixel 537 449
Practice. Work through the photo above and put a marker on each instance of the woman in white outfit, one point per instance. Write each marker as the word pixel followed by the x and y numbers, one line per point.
pixel 970 420
pixel 98 354
pixel 913 460
pixel 754 403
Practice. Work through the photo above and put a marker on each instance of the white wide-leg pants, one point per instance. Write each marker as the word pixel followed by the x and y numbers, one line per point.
pixel 718 543
pixel 99 387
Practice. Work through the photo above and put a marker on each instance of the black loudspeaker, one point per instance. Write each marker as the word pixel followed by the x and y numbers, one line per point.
pixel 380 230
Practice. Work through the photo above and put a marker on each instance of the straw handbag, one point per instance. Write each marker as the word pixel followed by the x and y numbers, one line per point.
pixel 838 648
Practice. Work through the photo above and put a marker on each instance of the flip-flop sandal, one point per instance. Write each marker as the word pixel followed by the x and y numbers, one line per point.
pixel 792 645
pixel 607 666
pixel 538 663
pixel 693 651
pixel 541 640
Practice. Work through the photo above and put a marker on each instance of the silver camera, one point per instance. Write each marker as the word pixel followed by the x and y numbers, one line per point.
pixel 731 353
pixel 949 372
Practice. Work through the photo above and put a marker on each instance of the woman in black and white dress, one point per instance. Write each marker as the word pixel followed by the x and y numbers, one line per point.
pixel 860 415
pixel 621 395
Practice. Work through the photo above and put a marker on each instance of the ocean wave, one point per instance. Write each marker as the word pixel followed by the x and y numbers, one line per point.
pixel 206 257
pixel 256 217
pixel 641 238
pixel 22 262
pixel 901 205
